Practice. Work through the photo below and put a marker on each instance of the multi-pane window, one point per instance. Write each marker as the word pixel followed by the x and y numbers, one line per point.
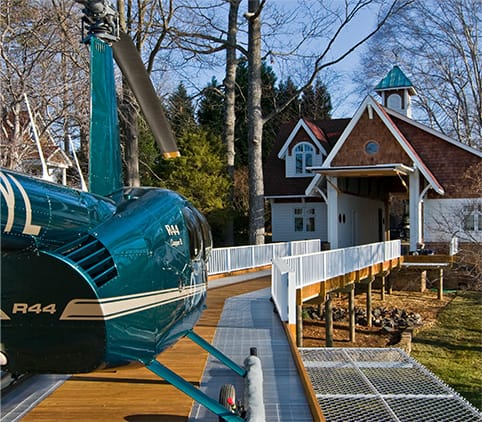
pixel 304 219
pixel 473 218
pixel 304 157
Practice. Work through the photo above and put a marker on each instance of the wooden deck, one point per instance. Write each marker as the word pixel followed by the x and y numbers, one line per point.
pixel 137 395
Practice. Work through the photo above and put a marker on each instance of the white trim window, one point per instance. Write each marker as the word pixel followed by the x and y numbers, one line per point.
pixel 304 220
pixel 303 153
pixel 473 218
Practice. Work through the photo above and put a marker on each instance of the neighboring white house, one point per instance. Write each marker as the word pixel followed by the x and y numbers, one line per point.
pixel 31 157
pixel 338 180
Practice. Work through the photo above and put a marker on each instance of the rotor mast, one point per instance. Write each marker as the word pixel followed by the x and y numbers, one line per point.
pixel 100 19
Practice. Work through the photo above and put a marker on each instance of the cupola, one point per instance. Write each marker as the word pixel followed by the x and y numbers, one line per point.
pixel 396 91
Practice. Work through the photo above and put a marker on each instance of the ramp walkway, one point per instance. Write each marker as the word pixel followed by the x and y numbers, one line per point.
pixel 248 321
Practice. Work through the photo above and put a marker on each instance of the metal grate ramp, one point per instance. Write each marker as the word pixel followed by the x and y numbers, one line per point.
pixel 248 321
pixel 380 384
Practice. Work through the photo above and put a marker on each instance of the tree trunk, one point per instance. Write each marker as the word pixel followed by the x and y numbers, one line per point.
pixel 130 137
pixel 255 127
pixel 229 110
pixel 128 120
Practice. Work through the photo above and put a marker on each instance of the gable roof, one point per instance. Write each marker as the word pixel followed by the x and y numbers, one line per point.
pixel 372 106
pixel 275 182
pixel 395 79
pixel 313 132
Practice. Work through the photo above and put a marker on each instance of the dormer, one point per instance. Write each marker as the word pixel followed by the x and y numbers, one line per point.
pixel 396 91
pixel 306 146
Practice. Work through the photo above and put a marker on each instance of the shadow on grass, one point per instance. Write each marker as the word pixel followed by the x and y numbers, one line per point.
pixel 472 395
pixel 447 345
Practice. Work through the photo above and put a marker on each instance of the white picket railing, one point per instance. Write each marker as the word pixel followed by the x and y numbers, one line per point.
pixel 293 272
pixel 226 260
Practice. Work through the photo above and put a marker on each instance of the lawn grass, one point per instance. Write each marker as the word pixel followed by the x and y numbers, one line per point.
pixel 452 348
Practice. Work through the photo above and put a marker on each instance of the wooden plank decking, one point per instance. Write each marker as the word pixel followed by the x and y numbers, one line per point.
pixel 137 395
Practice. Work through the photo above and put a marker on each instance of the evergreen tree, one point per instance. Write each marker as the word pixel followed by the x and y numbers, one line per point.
pixel 180 112
pixel 285 91
pixel 210 113
pixel 316 102
pixel 199 174
pixel 149 156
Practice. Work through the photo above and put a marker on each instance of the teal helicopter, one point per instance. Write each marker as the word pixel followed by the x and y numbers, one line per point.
pixel 111 277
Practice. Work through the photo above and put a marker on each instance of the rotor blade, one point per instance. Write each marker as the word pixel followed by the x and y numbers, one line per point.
pixel 132 67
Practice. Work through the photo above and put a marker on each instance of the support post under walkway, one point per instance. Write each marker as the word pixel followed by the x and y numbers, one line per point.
pixel 328 321
pixel 351 311
pixel 369 301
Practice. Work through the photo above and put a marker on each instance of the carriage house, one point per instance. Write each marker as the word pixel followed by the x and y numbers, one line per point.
pixel 338 180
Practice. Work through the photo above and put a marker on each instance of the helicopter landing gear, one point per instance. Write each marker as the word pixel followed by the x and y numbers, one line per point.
pixel 227 398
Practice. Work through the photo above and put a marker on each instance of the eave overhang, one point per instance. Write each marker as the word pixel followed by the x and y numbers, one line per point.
pixel 289 196
pixel 377 170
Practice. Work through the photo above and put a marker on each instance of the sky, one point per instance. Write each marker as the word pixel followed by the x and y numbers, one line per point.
pixel 341 89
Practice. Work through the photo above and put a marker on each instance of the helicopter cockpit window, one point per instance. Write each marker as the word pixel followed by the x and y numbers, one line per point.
pixel 206 232
pixel 195 233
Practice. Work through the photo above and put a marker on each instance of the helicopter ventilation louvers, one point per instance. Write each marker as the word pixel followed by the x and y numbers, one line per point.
pixel 91 255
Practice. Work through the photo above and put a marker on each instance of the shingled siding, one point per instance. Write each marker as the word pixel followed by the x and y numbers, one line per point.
pixel 445 160
pixel 352 153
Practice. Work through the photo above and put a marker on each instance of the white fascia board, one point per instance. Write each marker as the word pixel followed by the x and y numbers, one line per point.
pixel 288 196
pixel 369 101
pixel 301 124
pixel 403 168
pixel 408 149
pixel 311 189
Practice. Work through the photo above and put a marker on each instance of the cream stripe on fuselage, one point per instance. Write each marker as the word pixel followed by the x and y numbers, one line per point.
pixel 115 307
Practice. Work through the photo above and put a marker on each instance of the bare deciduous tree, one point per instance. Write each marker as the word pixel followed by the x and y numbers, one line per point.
pixel 255 125
pixel 437 42
pixel 463 220
pixel 41 56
